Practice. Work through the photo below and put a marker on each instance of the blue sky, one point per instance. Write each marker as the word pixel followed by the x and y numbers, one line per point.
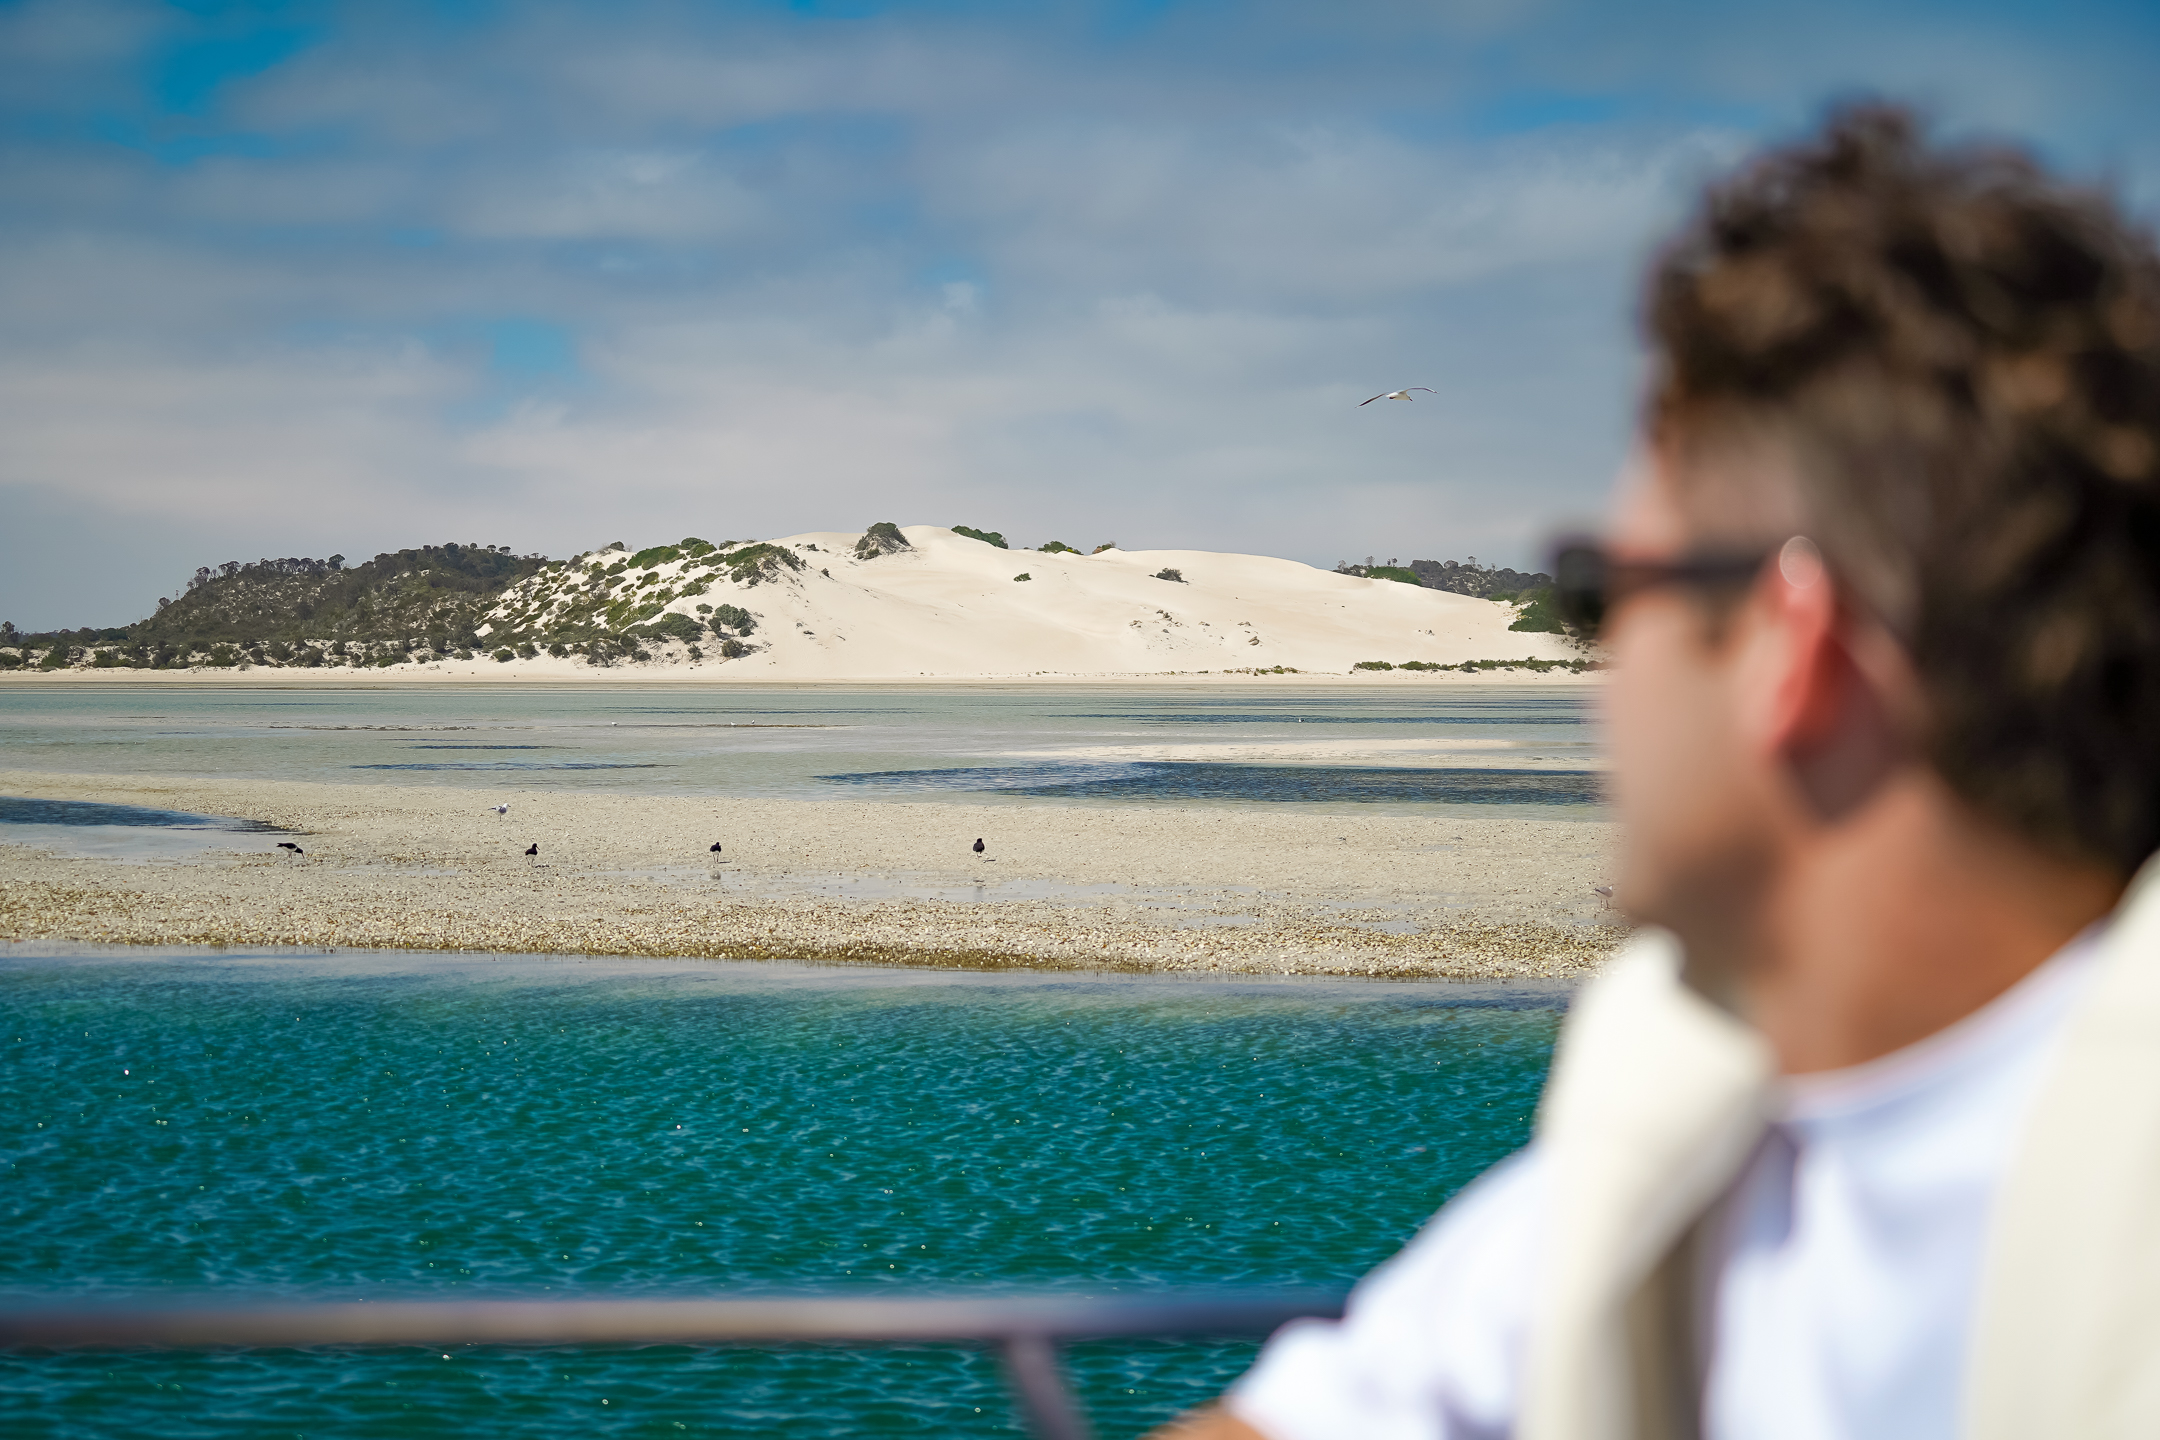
pixel 294 279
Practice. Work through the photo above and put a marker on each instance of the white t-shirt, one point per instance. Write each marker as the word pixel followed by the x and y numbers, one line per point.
pixel 1846 1260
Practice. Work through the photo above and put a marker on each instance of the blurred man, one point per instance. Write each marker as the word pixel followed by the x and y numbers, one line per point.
pixel 1864 1138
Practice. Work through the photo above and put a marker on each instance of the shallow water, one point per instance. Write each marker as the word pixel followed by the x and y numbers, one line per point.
pixel 830 742
pixel 349 1124
pixel 123 832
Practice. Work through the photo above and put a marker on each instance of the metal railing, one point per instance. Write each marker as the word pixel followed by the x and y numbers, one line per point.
pixel 1026 1329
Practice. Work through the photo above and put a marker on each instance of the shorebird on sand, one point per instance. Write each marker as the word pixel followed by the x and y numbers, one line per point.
pixel 501 811
pixel 288 845
pixel 716 847
pixel 532 853
pixel 1397 395
pixel 978 845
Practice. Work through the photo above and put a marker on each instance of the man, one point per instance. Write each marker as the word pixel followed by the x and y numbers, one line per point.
pixel 1863 1138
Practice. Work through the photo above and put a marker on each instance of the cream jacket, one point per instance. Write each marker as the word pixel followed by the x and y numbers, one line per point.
pixel 1658 1098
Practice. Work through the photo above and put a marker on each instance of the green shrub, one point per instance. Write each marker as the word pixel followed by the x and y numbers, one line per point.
pixel 1167 574
pixel 654 555
pixel 1058 547
pixel 1023 575
pixel 559 650
pixel 1372 665
pixel 1536 615
pixel 754 563
pixel 506 655
pixel 988 537
pixel 9 661
pixel 883 538
pixel 1420 665
pixel 672 626
pixel 528 651
pixel 1106 545
pixel 1393 572
pixel 733 649
pixel 735 618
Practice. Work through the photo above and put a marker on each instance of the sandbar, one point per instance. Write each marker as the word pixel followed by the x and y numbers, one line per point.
pixel 1145 888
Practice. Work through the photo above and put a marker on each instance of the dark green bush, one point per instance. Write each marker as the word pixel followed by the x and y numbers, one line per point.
pixel 988 537
pixel 735 618
pixel 506 655
pixel 1058 547
pixel 1536 615
pixel 733 649
pixel 1167 574
pixel 1392 572
pixel 883 538
pixel 1372 665
pixel 672 626
pixel 1023 575
pixel 754 563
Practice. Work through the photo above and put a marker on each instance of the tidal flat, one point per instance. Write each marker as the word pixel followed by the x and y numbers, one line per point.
pixel 1450 836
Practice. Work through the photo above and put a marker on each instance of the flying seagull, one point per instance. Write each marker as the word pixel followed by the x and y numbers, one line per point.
pixel 1396 395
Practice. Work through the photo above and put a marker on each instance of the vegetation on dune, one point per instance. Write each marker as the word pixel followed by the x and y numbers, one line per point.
pixel 988 537
pixel 1058 547
pixel 1459 577
pixel 1023 575
pixel 1572 667
pixel 1535 613
pixel 1169 574
pixel 883 538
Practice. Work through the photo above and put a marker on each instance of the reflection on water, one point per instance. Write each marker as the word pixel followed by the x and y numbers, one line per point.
pixel 341 1125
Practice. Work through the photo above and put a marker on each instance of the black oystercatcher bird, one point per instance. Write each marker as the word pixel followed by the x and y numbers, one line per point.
pixel 978 845
pixel 716 848
pixel 288 845
pixel 532 853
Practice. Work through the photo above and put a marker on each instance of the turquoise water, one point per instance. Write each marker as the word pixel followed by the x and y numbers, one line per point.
pixel 351 1124
pixel 981 744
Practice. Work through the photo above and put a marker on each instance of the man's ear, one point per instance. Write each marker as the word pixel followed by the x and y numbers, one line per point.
pixel 1825 721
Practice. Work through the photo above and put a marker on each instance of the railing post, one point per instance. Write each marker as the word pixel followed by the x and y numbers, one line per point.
pixel 1032 1363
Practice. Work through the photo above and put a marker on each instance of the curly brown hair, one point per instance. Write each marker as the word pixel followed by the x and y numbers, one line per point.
pixel 1960 358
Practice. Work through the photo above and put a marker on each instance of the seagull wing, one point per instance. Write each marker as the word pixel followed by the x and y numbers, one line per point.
pixel 1363 403
pixel 1426 388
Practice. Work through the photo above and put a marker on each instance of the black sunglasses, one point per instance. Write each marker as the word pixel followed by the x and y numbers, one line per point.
pixel 1588 581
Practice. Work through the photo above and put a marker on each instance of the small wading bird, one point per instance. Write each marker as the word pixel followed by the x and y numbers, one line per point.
pixel 532 853
pixel 288 845
pixel 501 811
pixel 978 845
pixel 716 847
pixel 1397 395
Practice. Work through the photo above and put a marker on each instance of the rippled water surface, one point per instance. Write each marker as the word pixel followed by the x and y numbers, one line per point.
pixel 344 1125
pixel 1530 744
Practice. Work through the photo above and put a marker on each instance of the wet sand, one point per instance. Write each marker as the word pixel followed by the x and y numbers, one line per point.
pixel 1260 890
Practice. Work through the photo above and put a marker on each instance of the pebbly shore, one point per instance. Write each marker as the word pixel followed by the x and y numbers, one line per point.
pixel 1274 890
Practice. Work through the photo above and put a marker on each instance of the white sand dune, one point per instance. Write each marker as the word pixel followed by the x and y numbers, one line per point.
pixel 950 607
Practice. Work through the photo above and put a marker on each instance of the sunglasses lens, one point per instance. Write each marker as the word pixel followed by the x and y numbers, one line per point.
pixel 1580 575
